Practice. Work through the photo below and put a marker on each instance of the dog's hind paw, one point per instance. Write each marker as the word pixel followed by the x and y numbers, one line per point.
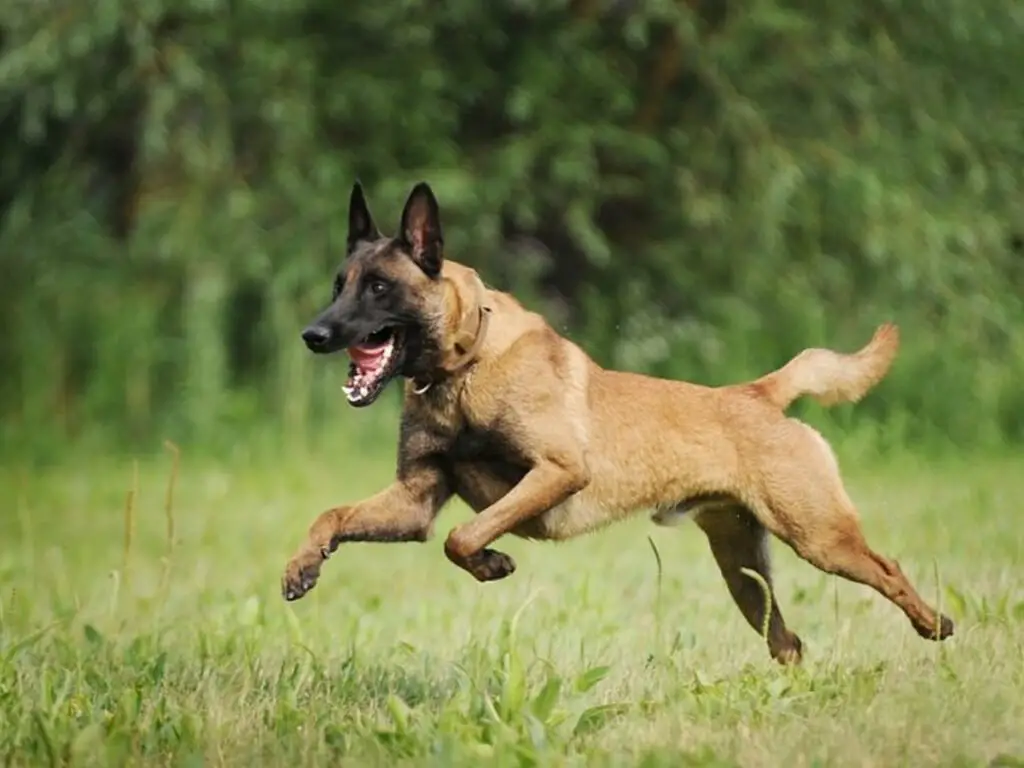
pixel 945 629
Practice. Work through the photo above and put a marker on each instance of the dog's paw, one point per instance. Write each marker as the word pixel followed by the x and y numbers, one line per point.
pixel 490 565
pixel 945 629
pixel 301 575
pixel 789 652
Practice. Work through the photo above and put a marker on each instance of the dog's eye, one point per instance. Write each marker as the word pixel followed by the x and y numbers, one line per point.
pixel 377 287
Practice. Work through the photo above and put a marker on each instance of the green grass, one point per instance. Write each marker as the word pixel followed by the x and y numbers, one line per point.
pixel 190 657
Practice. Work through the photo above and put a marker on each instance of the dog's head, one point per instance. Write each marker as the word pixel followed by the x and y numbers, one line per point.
pixel 391 307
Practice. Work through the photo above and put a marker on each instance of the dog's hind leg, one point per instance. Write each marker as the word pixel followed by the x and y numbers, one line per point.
pixel 808 508
pixel 837 545
pixel 738 541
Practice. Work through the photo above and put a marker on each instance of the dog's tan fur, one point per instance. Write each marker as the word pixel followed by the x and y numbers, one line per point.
pixel 545 444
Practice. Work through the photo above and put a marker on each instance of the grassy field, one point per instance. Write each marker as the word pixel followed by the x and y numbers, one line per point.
pixel 186 654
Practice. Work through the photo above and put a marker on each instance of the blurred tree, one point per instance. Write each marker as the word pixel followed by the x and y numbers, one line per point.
pixel 694 189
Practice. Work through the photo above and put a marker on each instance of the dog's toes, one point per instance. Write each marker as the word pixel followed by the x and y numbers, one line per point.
pixel 789 653
pixel 299 577
pixel 490 565
pixel 931 632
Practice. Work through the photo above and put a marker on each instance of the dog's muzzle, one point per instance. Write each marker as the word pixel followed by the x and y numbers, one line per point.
pixel 317 338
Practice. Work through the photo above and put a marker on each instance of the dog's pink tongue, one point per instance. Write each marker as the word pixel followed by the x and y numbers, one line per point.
pixel 366 357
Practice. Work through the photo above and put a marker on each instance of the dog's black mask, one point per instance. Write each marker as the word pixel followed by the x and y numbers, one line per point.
pixel 384 293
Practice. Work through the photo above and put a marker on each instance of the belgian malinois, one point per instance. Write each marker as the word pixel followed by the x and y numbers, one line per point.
pixel 542 442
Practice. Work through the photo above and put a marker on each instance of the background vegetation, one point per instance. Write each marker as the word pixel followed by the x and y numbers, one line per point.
pixel 694 188
pixel 171 646
pixel 691 188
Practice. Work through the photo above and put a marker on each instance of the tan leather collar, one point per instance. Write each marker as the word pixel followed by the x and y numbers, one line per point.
pixel 466 348
pixel 467 352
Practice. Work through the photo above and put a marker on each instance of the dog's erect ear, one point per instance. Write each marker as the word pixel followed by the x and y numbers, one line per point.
pixel 360 222
pixel 420 230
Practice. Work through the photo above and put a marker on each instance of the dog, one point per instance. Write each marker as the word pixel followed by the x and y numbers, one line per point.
pixel 543 443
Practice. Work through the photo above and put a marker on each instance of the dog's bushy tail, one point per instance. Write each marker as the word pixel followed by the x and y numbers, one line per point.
pixel 830 377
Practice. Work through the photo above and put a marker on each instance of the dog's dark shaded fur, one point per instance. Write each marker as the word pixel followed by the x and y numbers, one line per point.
pixel 543 443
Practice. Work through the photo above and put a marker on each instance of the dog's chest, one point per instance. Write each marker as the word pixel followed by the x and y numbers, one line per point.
pixel 475 444
pixel 484 466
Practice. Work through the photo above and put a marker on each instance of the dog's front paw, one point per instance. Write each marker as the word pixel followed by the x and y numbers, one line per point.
pixel 490 565
pixel 301 575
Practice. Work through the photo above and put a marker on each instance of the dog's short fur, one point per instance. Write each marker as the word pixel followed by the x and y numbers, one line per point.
pixel 543 443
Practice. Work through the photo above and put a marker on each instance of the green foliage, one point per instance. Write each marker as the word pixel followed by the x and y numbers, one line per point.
pixel 693 189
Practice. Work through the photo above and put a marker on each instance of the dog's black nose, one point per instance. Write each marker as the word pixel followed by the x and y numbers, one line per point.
pixel 316 336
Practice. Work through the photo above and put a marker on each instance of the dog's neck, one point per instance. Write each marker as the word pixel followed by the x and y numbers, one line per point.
pixel 467 338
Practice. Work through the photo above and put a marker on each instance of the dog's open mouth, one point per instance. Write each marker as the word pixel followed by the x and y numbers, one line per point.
pixel 374 362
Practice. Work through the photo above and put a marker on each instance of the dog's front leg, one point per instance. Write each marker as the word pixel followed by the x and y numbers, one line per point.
pixel 404 511
pixel 547 485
